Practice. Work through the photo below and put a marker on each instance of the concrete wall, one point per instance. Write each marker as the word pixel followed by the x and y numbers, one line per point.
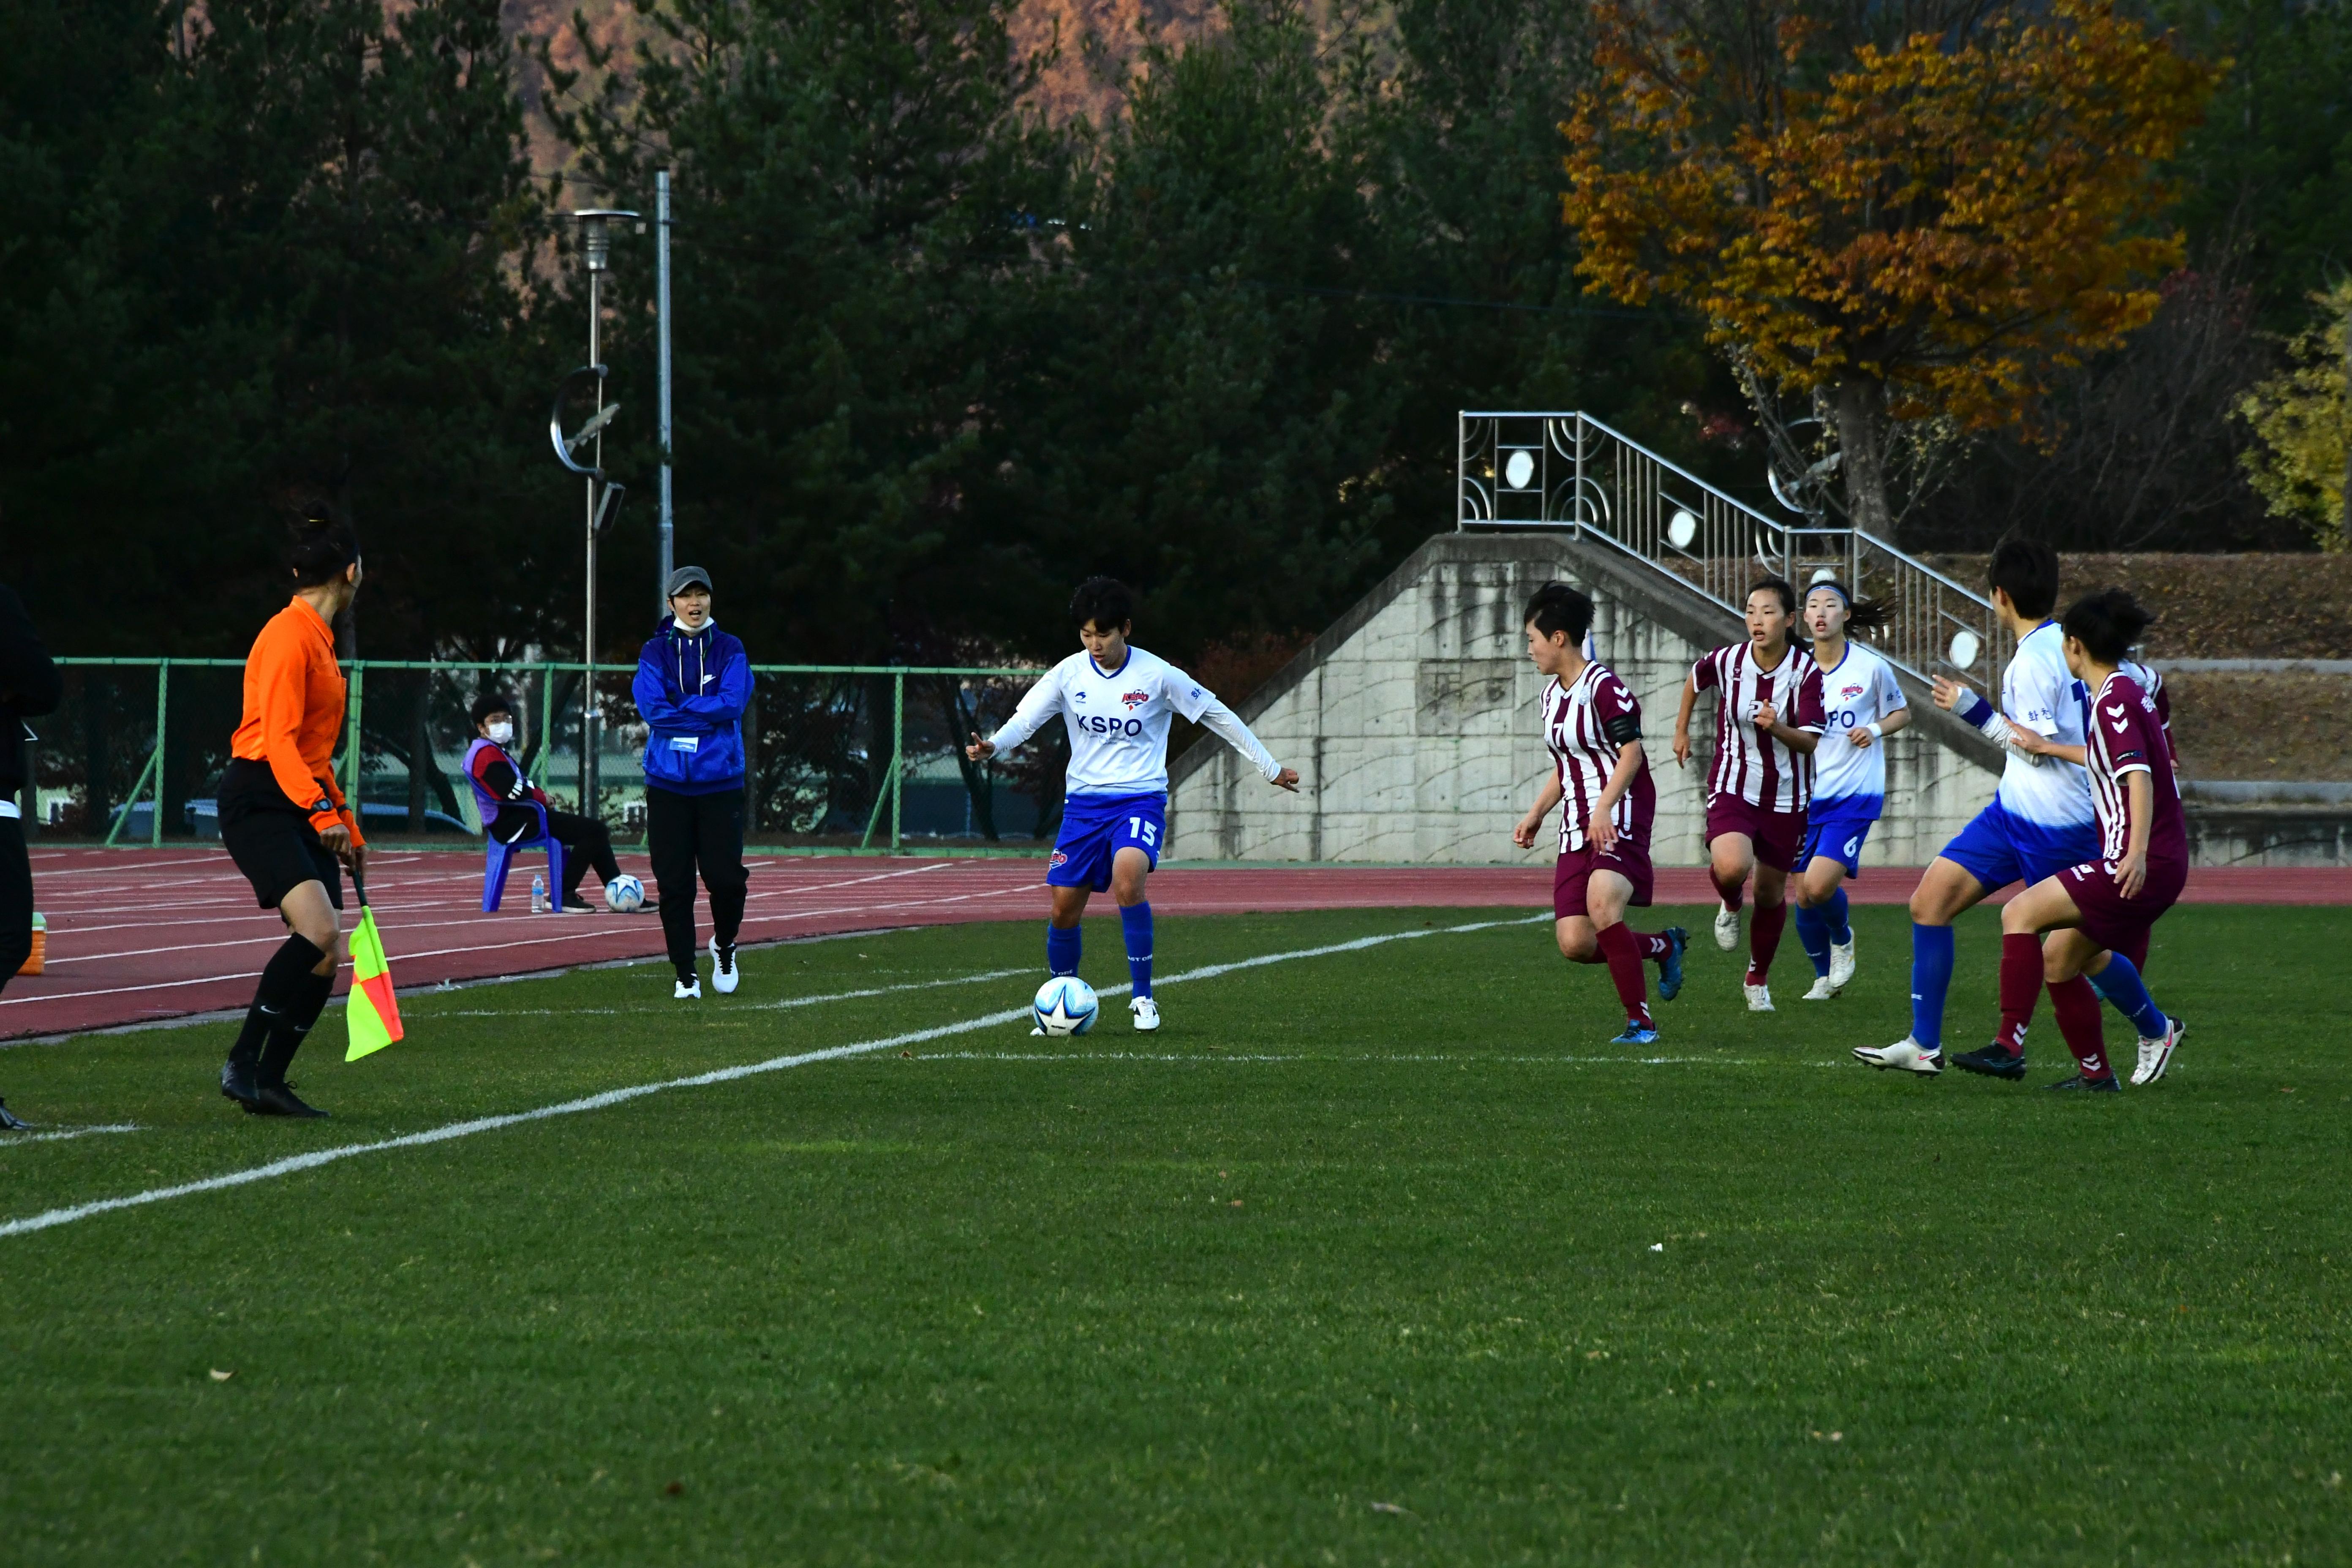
pixel 1413 723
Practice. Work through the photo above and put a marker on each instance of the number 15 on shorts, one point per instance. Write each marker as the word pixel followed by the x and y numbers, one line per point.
pixel 1144 831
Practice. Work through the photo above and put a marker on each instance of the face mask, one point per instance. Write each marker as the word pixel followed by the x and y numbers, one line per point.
pixel 502 732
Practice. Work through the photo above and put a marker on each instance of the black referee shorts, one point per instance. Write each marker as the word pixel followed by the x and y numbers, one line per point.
pixel 270 837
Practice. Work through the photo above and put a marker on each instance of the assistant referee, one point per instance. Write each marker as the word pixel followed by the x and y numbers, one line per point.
pixel 282 815
pixel 29 686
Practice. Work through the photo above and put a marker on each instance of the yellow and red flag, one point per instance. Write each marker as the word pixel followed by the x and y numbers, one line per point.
pixel 371 1013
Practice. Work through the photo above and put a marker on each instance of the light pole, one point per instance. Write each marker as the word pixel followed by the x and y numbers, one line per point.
pixel 596 244
pixel 661 326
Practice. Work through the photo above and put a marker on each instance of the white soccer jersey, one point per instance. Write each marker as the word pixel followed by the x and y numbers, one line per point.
pixel 2039 692
pixel 1118 721
pixel 1859 691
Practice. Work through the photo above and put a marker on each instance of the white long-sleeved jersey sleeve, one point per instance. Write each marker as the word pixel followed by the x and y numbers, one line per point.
pixel 1118 721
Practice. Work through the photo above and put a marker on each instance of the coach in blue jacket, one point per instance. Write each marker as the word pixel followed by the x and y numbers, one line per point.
pixel 693 683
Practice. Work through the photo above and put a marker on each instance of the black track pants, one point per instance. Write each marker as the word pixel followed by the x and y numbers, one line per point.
pixel 691 833
pixel 17 899
pixel 586 842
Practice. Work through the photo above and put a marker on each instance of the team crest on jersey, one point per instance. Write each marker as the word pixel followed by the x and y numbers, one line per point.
pixel 1135 700
pixel 1848 693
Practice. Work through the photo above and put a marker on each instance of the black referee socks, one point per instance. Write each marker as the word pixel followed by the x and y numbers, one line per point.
pixel 276 997
pixel 287 1030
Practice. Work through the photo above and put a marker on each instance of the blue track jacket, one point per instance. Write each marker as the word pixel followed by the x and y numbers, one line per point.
pixel 691 691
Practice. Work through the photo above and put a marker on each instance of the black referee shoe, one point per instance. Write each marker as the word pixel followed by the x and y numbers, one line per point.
pixel 236 1082
pixel 279 1099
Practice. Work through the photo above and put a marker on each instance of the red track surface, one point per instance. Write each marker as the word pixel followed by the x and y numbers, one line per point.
pixel 139 935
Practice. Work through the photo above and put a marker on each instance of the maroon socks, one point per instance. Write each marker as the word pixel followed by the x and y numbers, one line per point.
pixel 2020 987
pixel 1764 939
pixel 2077 1006
pixel 1621 949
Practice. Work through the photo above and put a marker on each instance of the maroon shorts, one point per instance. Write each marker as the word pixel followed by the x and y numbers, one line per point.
pixel 1776 835
pixel 1627 859
pixel 2117 924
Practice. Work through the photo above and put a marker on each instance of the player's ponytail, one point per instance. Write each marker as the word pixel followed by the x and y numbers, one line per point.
pixel 320 549
pixel 2107 624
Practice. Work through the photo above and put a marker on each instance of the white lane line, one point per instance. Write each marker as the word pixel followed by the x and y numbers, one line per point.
pixel 68 1133
pixel 718 1015
pixel 295 1164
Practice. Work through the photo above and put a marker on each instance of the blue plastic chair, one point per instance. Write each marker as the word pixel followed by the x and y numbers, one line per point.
pixel 502 859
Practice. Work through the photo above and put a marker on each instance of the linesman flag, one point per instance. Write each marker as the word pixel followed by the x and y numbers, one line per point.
pixel 370 1013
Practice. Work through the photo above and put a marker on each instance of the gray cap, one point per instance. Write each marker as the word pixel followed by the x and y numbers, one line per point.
pixel 686 577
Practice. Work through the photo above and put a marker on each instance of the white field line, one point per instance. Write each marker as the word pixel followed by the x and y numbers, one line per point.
pixel 1210 1058
pixel 66 1134
pixel 716 1017
pixel 295 1164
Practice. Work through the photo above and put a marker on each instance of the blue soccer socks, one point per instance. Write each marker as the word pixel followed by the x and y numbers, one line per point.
pixel 1135 920
pixel 2120 983
pixel 1833 915
pixel 1062 948
pixel 1813 931
pixel 1931 977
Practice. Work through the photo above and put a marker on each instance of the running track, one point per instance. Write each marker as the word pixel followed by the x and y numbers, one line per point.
pixel 136 936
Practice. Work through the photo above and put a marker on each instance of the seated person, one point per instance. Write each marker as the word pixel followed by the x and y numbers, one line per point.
pixel 505 798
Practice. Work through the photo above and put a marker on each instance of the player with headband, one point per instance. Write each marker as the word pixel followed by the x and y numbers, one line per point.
pixel 1862 705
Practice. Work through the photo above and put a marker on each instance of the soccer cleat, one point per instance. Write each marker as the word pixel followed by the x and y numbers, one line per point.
pixel 2105 1084
pixel 1670 967
pixel 1759 998
pixel 2155 1055
pixel 1036 1033
pixel 687 991
pixel 1636 1034
pixel 279 1099
pixel 1905 1054
pixel 1146 1015
pixel 8 1121
pixel 1726 930
pixel 724 975
pixel 236 1082
pixel 1840 966
pixel 1993 1061
pixel 1822 989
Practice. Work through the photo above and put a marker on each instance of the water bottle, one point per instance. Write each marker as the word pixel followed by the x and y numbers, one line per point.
pixel 538 894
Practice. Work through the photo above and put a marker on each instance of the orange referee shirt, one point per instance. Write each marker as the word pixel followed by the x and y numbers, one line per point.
pixel 294 694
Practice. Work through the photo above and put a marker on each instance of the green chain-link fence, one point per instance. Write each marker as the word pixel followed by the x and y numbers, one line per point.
pixel 840 758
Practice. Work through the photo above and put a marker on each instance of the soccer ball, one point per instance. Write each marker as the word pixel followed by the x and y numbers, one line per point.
pixel 626 894
pixel 1066 1004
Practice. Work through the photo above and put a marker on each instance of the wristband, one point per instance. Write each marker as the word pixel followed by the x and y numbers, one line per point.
pixel 1875 733
pixel 1973 708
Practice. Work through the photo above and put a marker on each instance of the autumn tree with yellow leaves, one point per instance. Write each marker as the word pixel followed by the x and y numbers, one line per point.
pixel 1920 213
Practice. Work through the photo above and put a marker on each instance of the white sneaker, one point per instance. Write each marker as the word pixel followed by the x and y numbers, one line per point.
pixel 687 991
pixel 1906 1054
pixel 1824 989
pixel 2155 1055
pixel 1036 1033
pixel 724 975
pixel 1841 966
pixel 1146 1015
pixel 1726 929
pixel 1760 997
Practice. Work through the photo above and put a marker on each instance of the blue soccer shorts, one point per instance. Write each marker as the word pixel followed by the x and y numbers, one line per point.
pixel 1095 828
pixel 1998 847
pixel 1840 836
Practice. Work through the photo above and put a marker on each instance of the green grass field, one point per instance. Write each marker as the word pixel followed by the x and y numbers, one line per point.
pixel 1377 1257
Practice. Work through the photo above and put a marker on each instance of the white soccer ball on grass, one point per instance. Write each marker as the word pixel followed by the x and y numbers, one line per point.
pixel 1066 1005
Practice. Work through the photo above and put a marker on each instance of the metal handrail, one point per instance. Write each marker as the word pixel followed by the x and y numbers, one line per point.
pixel 1517 468
pixel 150 785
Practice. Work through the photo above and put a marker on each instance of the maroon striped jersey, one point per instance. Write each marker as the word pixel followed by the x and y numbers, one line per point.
pixel 1749 764
pixel 1587 724
pixel 2126 736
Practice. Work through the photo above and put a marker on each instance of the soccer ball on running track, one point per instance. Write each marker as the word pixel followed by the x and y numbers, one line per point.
pixel 1065 1006
pixel 624 893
